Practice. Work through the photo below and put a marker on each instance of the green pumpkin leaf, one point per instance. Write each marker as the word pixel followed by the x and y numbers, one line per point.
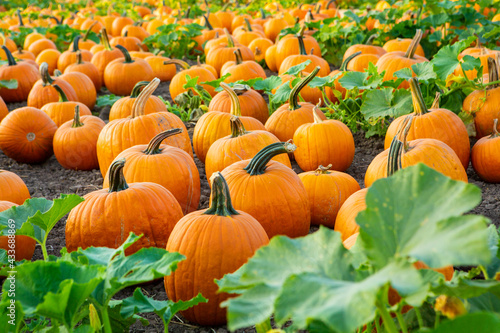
pixel 360 80
pixel 120 323
pixel 471 322
pixel 463 287
pixel 266 85
pixel 106 100
pixel 446 60
pixel 386 102
pixel 424 71
pixel 216 83
pixel 295 70
pixel 282 94
pixel 8 84
pixel 416 213
pixel 11 313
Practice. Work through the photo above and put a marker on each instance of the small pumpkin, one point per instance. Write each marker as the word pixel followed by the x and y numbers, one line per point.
pixel 242 70
pixel 290 45
pixel 296 59
pixel 86 68
pixel 160 70
pixel 402 44
pixel 218 56
pixel 24 246
pixel 102 58
pixel 70 57
pixel 107 216
pixel 49 56
pixel 238 236
pixel 83 86
pixel 75 142
pixel 63 110
pixel 43 91
pixel 179 80
pixel 41 45
pixel 13 188
pixel 345 222
pixel 485 159
pixel 259 48
pixel 24 73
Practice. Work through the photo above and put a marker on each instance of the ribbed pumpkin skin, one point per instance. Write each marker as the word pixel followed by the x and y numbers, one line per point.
pixel 83 86
pixel 214 125
pixel 289 45
pixel 13 188
pixel 327 142
pixel 365 49
pixel 123 107
pixel 284 122
pixel 41 95
pixel 120 78
pixel 433 153
pixel 252 104
pixel 26 135
pixel 218 56
pixel 4 111
pixel 26 76
pixel 61 112
pixel 161 71
pixel 484 110
pixel 102 58
pixel 402 44
pixel 277 198
pixel 345 223
pixel 297 59
pixel 245 71
pixel 75 147
pixel 485 159
pixel 88 69
pixel 179 80
pixel 213 246
pixel 106 219
pixel 121 134
pixel 394 61
pixel 439 124
pixel 228 150
pixel 24 245
pixel 326 193
pixel 362 62
pixel 173 168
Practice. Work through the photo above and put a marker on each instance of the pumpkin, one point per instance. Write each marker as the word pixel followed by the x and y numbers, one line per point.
pixel 86 68
pixel 214 125
pixel 70 57
pixel 270 58
pixel 248 34
pixel 119 23
pixel 25 74
pixel 4 111
pixel 83 86
pixel 339 73
pixel 63 110
pixel 49 56
pixel 122 108
pixel 259 48
pixel 436 123
pixel 135 31
pixel 26 135
pixel 290 45
pixel 205 66
pixel 322 142
pixel 242 70
pixel 129 43
pixel 271 192
pixel 102 58
pixel 433 153
pixel 288 117
pixel 23 55
pixel 394 61
pixel 345 222
pixel 477 52
pixel 238 146
pixel 121 75
pixel 179 80
pixel 139 128
pixel 225 18
pixel 41 45
pixel 218 56
pixel 75 142
pixel 297 59
pixel 31 38
pixel 227 236
pixel 485 159
pixel 43 91
pixel 251 103
pixel 107 216
pixel 13 188
pixel 160 70
pixel 483 104
pixel 325 204
pixel 162 164
pixel 23 246
pixel 273 27
pixel 402 44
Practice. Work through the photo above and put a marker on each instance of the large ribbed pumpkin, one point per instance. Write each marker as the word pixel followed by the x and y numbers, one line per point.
pixel 327 190
pixel 13 188
pixel 214 125
pixel 168 166
pixel 345 222
pixel 215 242
pixel 139 128
pixel 26 135
pixel 436 123
pixel 24 246
pixel 107 216
pixel 271 192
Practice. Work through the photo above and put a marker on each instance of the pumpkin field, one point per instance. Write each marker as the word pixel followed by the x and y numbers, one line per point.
pixel 230 166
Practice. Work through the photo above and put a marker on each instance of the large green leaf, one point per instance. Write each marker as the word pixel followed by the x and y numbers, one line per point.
pixel 386 102
pixel 481 322
pixel 8 84
pixel 493 243
pixel 11 314
pixel 446 60
pixel 416 213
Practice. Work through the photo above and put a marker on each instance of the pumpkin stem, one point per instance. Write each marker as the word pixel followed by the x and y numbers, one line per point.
pixel 87 33
pixel 62 95
pixel 137 88
pixel 79 60
pixel 230 40
pixel 44 73
pixel 321 170
pixel 57 73
pixel 262 13
pixel 417 97
pixel 495 133
pixel 179 62
pixel 294 94
pixel 198 63
pixel 318 9
pixel 237 128
pixel 140 101
pixel 248 25
pixel 343 66
pixel 492 72
pixel 309 16
pixel 258 163
pixel 19 17
pixel 414 44
pixel 207 23
pixel 301 31
pixel 188 11
pixel 76 120
pixel 220 201
pixel 435 103
pixel 370 39
pixel 58 21
pixel 239 57
pixel 75 43
pixel 10 57
pixel 117 181
pixel 235 102
pixel 257 51
pixel 154 145
pixel 398 146
pixel 316 109
pixel 128 58
pixel 403 133
pixel 105 39
pixel 302 46
pixel 478 42
pixel 329 3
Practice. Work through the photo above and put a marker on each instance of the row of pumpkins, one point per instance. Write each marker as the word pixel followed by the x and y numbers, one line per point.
pixel 152 185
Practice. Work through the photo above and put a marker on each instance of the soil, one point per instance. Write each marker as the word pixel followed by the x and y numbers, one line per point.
pixel 49 180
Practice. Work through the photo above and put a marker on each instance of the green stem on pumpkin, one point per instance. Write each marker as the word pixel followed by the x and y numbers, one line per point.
pixel 262 13
pixel 302 47
pixel 87 33
pixel 329 3
pixel 105 39
pixel 220 201
pixel 62 95
pixel 137 88
pixel 239 57
pixel 76 48
pixel 343 66
pixel 179 62
pixel 117 180
pixel 293 100
pixel 414 44
pixel 370 39
pixel 237 128
pixel 230 40
pixel 248 25
pixel 76 120
pixel 128 58
pixel 19 17
pixel 398 147
pixel 154 145
pixel 79 59
pixel 207 23
pixel 417 98
pixel 235 102
pixel 10 58
pixel 140 101
pixel 258 163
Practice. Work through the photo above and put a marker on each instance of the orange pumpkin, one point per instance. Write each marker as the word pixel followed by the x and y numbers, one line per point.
pixel 63 110
pixel 297 59
pixel 103 57
pixel 345 222
pixel 485 159
pixel 24 73
pixel 43 91
pixel 86 68
pixel 13 188
pixel 160 70
pixel 219 55
pixel 83 86
pixel 49 56
pixel 179 80
pixel 242 70
pixel 70 57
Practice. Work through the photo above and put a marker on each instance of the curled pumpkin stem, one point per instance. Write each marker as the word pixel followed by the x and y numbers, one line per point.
pixel 153 147
pixel 220 201
pixel 414 44
pixel 321 170
pixel 258 163
pixel 181 63
pixel 117 180
pixel 235 102
pixel 140 101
